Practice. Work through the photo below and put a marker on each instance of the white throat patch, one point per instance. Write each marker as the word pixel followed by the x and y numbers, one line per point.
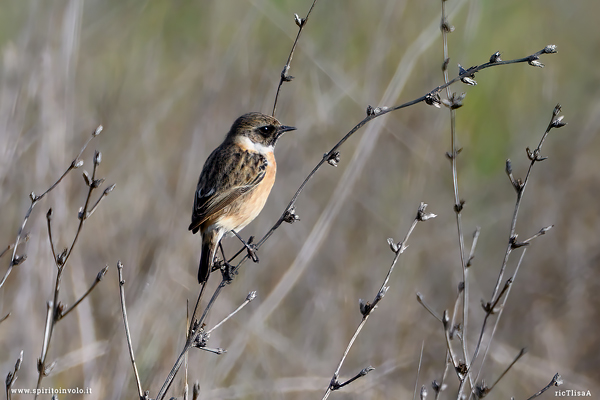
pixel 247 144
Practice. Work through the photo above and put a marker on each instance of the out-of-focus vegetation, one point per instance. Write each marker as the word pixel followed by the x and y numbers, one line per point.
pixel 167 79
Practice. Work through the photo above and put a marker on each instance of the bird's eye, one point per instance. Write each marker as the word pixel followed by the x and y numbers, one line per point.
pixel 266 130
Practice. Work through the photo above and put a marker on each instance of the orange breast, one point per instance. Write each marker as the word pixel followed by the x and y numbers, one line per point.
pixel 248 206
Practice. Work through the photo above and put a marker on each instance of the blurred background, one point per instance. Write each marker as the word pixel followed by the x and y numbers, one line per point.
pixel 167 79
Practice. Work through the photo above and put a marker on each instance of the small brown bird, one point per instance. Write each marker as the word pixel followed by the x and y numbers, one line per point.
pixel 235 182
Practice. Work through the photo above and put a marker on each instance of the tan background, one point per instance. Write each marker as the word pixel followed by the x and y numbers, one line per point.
pixel 167 79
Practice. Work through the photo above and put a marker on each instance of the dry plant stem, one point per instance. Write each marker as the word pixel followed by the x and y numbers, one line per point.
pixel 444 375
pixel 517 358
pixel 191 339
pixel 367 309
pixel 418 370
pixel 520 192
pixel 96 282
pixel 9 247
pixel 453 358
pixel 446 28
pixel 251 296
pixel 284 77
pixel 496 296
pixel 500 312
pixel 11 378
pixel 4 318
pixel 127 332
pixel 76 163
pixel 427 307
pixel 556 381
pixel 61 262
pixel 326 157
pixel 185 362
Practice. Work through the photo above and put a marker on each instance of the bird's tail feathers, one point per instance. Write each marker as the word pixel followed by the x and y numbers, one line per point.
pixel 210 242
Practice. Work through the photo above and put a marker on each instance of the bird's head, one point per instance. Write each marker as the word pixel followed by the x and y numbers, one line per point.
pixel 257 130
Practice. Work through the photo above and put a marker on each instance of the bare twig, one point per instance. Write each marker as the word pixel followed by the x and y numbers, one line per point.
pixel 427 307
pixel 194 333
pixel 517 358
pixel 96 282
pixel 519 186
pixel 556 381
pixel 491 310
pixel 76 163
pixel 367 308
pixel 446 28
pixel 11 378
pixel 418 370
pixel 452 356
pixel 127 333
pixel 61 259
pixel 6 249
pixel 251 296
pixel 555 122
pixel 187 335
pixel 284 76
pixel 439 386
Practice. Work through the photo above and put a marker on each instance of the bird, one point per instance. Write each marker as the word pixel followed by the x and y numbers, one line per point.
pixel 235 182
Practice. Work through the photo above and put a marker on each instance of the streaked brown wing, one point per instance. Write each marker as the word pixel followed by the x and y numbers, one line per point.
pixel 225 177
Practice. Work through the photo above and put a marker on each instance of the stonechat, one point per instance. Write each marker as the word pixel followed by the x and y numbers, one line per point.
pixel 235 182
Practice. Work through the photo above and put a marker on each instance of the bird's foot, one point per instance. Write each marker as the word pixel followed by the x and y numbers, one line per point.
pixel 252 249
pixel 227 270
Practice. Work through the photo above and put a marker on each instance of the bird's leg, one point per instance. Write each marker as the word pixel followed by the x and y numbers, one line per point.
pixel 225 267
pixel 249 246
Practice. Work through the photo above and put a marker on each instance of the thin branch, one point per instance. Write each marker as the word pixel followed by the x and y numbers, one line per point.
pixel 11 378
pixel 418 370
pixel 4 318
pixel 555 122
pixel 61 259
pixel 251 296
pixel 473 246
pixel 452 356
pixel 42 369
pixel 6 249
pixel 284 77
pixel 363 372
pixel 96 282
pixel 93 184
pixel 438 387
pixel 185 362
pixel 127 333
pixel 105 193
pixel 427 307
pixel 519 186
pixel 194 335
pixel 500 312
pixel 367 308
pixel 446 28
pixel 76 163
pixel 517 358
pixel 556 381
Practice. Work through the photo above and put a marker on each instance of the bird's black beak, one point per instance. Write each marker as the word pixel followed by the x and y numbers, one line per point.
pixel 284 128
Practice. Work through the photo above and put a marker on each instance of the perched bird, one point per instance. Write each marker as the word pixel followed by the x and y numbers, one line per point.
pixel 235 182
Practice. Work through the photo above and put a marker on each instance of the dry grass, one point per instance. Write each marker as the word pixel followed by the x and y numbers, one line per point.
pixel 166 79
